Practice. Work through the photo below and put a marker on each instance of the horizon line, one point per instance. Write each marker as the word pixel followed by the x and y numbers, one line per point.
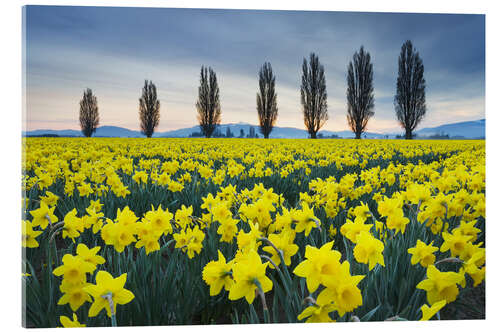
pixel 241 123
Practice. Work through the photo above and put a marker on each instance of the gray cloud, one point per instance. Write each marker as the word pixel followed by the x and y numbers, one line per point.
pixel 112 51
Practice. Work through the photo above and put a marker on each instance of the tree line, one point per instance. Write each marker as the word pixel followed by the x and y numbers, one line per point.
pixel 409 99
pixel 229 134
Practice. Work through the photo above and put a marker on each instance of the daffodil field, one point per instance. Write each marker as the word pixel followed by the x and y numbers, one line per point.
pixel 120 232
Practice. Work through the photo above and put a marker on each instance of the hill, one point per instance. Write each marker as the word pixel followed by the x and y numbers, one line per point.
pixel 468 130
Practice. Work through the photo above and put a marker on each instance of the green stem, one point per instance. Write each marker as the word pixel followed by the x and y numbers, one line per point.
pixel 451 259
pixel 265 310
pixel 166 245
pixel 109 297
pixel 113 320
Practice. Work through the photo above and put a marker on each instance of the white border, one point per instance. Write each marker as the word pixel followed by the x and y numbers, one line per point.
pixel 10 175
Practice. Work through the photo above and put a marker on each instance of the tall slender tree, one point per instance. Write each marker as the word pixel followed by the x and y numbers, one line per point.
pixel 208 103
pixel 409 100
pixel 313 95
pixel 89 113
pixel 360 101
pixel 149 109
pixel 267 108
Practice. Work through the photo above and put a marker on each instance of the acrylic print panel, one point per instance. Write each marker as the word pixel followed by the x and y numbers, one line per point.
pixel 202 166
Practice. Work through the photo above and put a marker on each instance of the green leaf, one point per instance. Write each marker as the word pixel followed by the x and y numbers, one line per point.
pixel 370 314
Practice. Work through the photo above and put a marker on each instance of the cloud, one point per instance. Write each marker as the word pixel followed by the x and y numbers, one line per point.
pixel 113 50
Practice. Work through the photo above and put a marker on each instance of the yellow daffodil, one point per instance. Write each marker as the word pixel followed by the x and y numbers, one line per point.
pixel 319 263
pixel 342 290
pixel 160 220
pixel 368 250
pixel 29 235
pixel 351 229
pixel 73 294
pixel 397 221
pixel 74 269
pixel 50 199
pixel 440 285
pixel 95 205
pixel 249 239
pixel 362 212
pixel 217 274
pixel 43 215
pixel 248 273
pixel 183 216
pixel 429 312
pixel 423 254
pixel 284 243
pixel 306 220
pixel 227 229
pixel 89 255
pixel 318 312
pixel 455 242
pixel 73 225
pixel 106 284
pixel 66 322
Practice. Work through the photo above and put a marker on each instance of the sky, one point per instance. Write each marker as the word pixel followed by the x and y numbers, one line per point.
pixel 112 50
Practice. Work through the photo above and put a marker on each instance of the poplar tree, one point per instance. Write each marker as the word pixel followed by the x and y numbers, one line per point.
pixel 313 95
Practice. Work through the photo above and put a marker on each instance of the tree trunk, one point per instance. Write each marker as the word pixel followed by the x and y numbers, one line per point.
pixel 266 136
pixel 358 135
pixel 408 135
pixel 313 135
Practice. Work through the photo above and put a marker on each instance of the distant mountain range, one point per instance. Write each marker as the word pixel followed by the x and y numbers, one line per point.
pixel 469 130
pixel 277 133
pixel 103 131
